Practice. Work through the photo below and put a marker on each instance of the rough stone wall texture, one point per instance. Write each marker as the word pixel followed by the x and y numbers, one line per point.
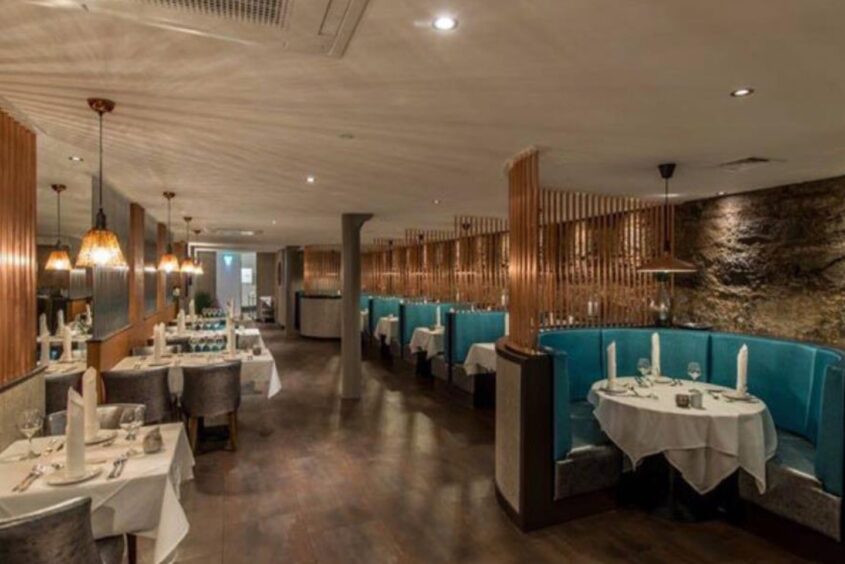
pixel 772 262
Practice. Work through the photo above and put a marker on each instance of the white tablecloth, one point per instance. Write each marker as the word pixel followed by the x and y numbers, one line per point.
pixel 248 337
pixel 481 358
pixel 427 340
pixel 388 327
pixel 365 320
pixel 705 445
pixel 56 368
pixel 258 370
pixel 143 501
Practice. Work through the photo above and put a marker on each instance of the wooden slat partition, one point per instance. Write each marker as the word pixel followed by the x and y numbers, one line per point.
pixel 322 269
pixel 428 271
pixel 481 260
pixel 18 258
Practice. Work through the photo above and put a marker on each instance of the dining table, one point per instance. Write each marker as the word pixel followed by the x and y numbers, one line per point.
pixel 257 370
pixel 480 359
pixel 388 328
pixel 248 337
pixel 143 500
pixel 705 444
pixel 428 340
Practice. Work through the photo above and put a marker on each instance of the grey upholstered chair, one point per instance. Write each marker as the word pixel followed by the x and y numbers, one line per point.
pixel 148 351
pixel 56 387
pixel 61 533
pixel 108 414
pixel 149 387
pixel 210 391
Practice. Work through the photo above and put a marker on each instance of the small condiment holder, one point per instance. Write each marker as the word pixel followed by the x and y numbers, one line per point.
pixel 682 400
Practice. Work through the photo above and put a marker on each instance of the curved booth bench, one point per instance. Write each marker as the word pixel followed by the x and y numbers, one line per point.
pixel 319 315
pixel 801 384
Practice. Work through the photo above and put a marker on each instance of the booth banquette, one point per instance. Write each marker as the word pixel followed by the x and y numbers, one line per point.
pixel 465 331
pixel 801 385
pixel 424 315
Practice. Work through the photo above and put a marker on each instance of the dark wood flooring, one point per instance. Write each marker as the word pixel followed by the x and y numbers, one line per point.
pixel 403 475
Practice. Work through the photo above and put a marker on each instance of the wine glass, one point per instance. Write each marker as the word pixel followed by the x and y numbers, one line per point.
pixel 694 371
pixel 644 367
pixel 30 421
pixel 127 422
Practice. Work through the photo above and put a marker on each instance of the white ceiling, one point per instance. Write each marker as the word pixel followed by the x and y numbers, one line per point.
pixel 609 88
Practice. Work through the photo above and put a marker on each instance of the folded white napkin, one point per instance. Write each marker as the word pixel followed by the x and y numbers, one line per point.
pixel 67 344
pixel 655 354
pixel 230 309
pixel 42 326
pixel 742 370
pixel 89 397
pixel 157 347
pixel 75 435
pixel 192 309
pixel 180 322
pixel 507 324
pixel 230 338
pixel 437 319
pixel 611 365
pixel 60 322
pixel 89 317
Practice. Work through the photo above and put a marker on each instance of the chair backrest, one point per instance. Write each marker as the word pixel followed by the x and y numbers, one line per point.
pixel 149 350
pixel 211 390
pixel 56 387
pixel 59 533
pixel 149 387
pixel 108 414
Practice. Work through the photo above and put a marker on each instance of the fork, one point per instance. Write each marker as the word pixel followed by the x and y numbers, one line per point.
pixel 117 466
pixel 36 472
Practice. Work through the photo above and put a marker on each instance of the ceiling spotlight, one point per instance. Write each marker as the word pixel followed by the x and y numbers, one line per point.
pixel 435 202
pixel 75 158
pixel 742 92
pixel 721 193
pixel 274 222
pixel 311 180
pixel 444 23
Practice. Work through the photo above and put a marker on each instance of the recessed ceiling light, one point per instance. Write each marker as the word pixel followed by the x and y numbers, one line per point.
pixel 274 222
pixel 311 180
pixel 347 136
pixel 435 202
pixel 75 159
pixel 742 92
pixel 444 23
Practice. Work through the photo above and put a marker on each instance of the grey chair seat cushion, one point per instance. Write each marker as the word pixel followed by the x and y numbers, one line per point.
pixel 585 428
pixel 795 452
pixel 111 549
pixel 588 469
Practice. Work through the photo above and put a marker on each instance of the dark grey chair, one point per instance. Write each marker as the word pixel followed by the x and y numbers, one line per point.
pixel 148 351
pixel 60 533
pixel 209 391
pixel 56 387
pixel 108 414
pixel 149 387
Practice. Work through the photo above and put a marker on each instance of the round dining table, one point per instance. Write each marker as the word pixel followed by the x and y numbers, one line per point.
pixel 706 444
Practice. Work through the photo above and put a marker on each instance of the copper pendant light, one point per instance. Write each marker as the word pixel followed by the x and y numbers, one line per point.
pixel 198 269
pixel 59 259
pixel 168 262
pixel 187 262
pixel 100 247
pixel 667 263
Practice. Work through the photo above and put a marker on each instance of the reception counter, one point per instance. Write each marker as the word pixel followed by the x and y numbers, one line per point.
pixel 319 315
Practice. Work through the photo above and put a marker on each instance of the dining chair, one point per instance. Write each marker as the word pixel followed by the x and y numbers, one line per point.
pixel 149 387
pixel 59 533
pixel 209 391
pixel 56 387
pixel 108 414
pixel 150 350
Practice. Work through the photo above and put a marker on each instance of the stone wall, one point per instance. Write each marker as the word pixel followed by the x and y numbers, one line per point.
pixel 772 262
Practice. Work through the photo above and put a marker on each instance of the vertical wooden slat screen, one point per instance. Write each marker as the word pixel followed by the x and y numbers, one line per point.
pixel 18 259
pixel 481 260
pixel 322 269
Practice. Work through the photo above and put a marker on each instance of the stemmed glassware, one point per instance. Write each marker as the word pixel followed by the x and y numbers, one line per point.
pixel 30 421
pixel 644 367
pixel 694 371
pixel 131 420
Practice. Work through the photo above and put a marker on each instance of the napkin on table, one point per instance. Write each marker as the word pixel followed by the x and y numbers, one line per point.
pixel 89 317
pixel 42 326
pixel 742 370
pixel 611 365
pixel 158 346
pixel 230 338
pixel 60 322
pixel 437 319
pixel 192 309
pixel 89 398
pixel 655 354
pixel 180 322
pixel 67 343
pixel 75 435
pixel 507 324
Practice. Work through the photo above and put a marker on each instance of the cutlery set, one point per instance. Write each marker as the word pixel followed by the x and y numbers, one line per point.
pixel 56 445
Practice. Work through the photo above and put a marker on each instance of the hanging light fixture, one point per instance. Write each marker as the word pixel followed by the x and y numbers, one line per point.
pixel 59 259
pixel 169 263
pixel 198 270
pixel 187 262
pixel 100 247
pixel 666 263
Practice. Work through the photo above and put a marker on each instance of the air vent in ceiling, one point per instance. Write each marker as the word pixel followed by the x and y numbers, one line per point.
pixel 745 164
pixel 263 12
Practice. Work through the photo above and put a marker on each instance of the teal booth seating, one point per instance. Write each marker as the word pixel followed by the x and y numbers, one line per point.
pixel 802 385
pixel 419 314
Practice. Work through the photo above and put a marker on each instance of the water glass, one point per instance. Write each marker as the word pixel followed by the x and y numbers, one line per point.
pixel 30 421
pixel 694 371
pixel 644 367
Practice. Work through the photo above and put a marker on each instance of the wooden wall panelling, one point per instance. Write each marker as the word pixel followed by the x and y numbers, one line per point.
pixel 322 269
pixel 481 250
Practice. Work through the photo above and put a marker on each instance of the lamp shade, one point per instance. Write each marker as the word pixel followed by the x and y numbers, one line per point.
pixel 198 269
pixel 187 266
pixel 59 259
pixel 100 247
pixel 168 263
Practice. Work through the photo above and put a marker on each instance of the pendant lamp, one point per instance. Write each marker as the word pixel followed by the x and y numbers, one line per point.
pixel 59 259
pixel 100 247
pixel 666 263
pixel 169 263
pixel 187 262
pixel 198 269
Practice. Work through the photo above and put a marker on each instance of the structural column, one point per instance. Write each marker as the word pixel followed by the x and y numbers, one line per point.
pixel 350 313
pixel 293 282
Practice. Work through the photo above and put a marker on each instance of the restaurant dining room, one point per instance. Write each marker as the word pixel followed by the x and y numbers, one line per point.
pixel 417 281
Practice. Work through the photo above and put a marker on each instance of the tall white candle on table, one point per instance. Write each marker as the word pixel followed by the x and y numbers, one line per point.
pixel 67 344
pixel 611 365
pixel 158 347
pixel 89 397
pixel 742 370
pixel 75 435
pixel 45 340
pixel 42 326
pixel 192 309
pixel 230 338
pixel 437 322
pixel 60 322
pixel 655 354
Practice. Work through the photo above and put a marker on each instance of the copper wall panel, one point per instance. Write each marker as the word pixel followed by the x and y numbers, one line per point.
pixel 322 270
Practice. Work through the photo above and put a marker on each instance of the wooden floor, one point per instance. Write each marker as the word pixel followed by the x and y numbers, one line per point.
pixel 400 476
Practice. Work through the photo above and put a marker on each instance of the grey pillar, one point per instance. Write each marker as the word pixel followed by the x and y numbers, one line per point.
pixel 294 267
pixel 350 345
